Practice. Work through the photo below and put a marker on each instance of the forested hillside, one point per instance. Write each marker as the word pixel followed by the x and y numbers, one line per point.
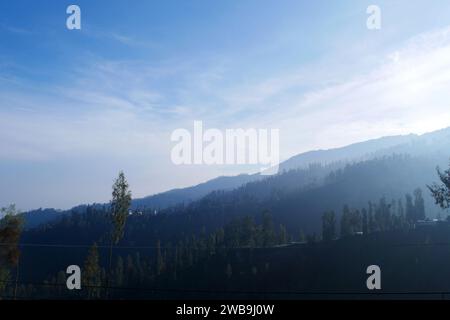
pixel 428 147
pixel 231 239
pixel 295 209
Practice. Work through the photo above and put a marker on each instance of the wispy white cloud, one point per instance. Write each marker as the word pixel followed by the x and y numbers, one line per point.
pixel 19 31
pixel 407 93
pixel 392 96
pixel 119 38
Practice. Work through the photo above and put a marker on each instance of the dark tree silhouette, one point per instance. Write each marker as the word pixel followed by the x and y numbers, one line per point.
pixel 120 206
pixel 328 226
pixel 419 205
pixel 10 231
pixel 441 192
pixel 92 273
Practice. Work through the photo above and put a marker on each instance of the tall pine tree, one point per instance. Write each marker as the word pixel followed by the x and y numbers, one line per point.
pixel 120 206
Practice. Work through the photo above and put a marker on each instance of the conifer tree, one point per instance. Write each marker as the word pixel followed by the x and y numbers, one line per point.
pixel 10 230
pixel 409 208
pixel 441 192
pixel 419 205
pixel 229 271
pixel 371 223
pixel 301 236
pixel 159 259
pixel 92 273
pixel 328 226
pixel 119 272
pixel 345 222
pixel 365 223
pixel 120 206
pixel 267 229
pixel 283 237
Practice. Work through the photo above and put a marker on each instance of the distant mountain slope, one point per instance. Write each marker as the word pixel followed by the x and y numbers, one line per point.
pixel 38 217
pixel 296 199
pixel 186 195
pixel 412 144
pixel 34 218
pixel 390 178
pixel 354 152
pixel 297 208
pixel 403 144
pixel 435 143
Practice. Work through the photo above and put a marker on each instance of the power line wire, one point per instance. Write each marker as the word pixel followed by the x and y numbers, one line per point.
pixel 286 246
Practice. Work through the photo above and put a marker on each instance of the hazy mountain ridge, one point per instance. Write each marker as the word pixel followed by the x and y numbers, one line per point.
pixel 189 194
pixel 360 151
pixel 432 145
pixel 354 152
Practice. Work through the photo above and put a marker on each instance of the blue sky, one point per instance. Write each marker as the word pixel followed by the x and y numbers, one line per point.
pixel 78 106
